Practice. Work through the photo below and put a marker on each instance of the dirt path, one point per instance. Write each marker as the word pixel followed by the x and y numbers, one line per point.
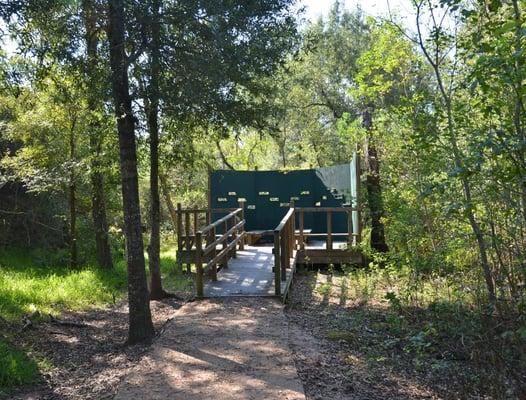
pixel 223 348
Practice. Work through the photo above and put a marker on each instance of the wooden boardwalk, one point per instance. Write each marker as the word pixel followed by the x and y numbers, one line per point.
pixel 249 274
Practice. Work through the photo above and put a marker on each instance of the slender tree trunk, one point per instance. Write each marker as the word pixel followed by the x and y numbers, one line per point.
pixel 374 188
pixel 168 200
pixel 72 203
pixel 140 319
pixel 519 102
pixel 434 62
pixel 156 288
pixel 98 203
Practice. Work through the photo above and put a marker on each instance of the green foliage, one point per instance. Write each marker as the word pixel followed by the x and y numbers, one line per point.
pixel 28 282
pixel 15 367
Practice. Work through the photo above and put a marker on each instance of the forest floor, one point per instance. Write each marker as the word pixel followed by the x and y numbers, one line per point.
pixel 329 342
pixel 228 349
pixel 89 360
pixel 348 347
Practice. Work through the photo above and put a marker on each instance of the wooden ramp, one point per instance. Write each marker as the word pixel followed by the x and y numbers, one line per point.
pixel 226 267
pixel 249 274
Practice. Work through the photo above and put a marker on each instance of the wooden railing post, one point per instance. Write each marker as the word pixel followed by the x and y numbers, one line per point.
pixel 242 241
pixel 283 253
pixel 224 261
pixel 302 241
pixel 213 270
pixel 293 234
pixel 277 264
pixel 329 230
pixel 188 242
pixel 179 227
pixel 199 265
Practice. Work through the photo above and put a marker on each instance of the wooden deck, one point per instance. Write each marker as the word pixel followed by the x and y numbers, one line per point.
pixel 249 274
pixel 226 265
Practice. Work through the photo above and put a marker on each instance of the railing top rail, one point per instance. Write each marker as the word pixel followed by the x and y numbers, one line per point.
pixel 284 220
pixel 220 221
pixel 327 209
pixel 205 210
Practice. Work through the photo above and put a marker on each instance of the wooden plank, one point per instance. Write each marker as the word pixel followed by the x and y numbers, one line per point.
pixel 302 240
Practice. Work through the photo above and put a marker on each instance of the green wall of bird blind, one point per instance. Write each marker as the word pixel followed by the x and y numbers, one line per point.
pixel 267 194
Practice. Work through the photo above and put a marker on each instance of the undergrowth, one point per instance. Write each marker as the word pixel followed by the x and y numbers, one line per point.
pixel 37 280
pixel 439 327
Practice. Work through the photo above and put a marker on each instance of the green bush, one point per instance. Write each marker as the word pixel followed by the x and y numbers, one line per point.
pixel 15 367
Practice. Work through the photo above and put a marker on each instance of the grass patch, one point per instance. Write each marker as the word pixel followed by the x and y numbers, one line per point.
pixel 35 280
pixel 15 367
pixel 26 286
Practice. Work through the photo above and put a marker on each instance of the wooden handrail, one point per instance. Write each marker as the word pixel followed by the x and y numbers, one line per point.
pixel 284 246
pixel 221 239
pixel 285 219
pixel 326 209
pixel 352 238
pixel 237 235
pixel 221 221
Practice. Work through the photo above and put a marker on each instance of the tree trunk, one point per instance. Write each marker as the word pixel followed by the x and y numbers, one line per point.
pixel 156 288
pixel 374 189
pixel 98 203
pixel 72 203
pixel 457 158
pixel 168 200
pixel 519 103
pixel 140 319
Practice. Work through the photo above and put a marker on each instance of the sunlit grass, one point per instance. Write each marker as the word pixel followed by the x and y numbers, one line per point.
pixel 32 281
pixel 26 287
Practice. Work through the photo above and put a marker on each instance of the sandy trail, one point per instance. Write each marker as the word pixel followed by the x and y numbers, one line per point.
pixel 224 349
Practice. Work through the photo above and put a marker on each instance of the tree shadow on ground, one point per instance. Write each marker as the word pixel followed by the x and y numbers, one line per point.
pixel 379 350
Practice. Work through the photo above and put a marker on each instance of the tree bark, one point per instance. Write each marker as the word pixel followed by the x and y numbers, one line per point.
pixel 140 320
pixel 156 288
pixel 168 200
pixel 72 202
pixel 374 188
pixel 98 203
